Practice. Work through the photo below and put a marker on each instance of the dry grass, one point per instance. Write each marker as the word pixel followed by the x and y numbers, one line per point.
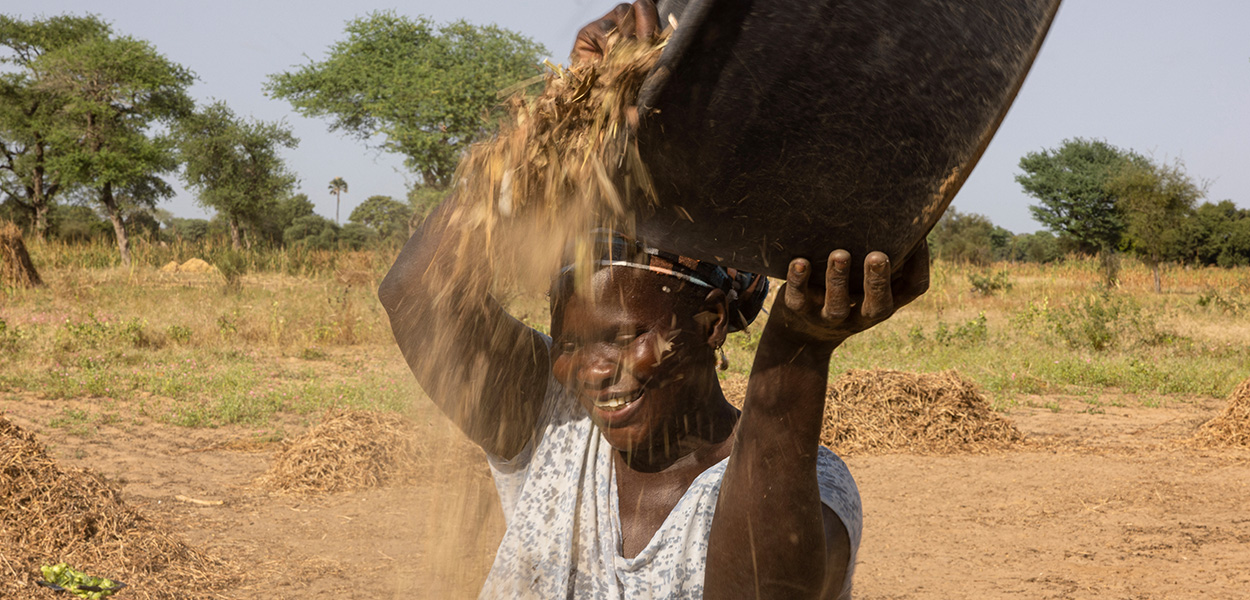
pixel 349 450
pixel 1232 426
pixel 49 515
pixel 875 412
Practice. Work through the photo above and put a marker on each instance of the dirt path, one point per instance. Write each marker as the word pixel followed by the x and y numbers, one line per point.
pixel 1097 505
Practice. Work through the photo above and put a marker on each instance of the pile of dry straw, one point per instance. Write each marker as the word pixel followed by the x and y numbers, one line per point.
pixel 349 450
pixel 49 515
pixel 1232 426
pixel 16 270
pixel 881 411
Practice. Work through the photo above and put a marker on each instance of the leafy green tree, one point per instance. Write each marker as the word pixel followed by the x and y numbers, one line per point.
pixel 385 216
pixel 969 238
pixel 338 187
pixel 112 92
pixel 1219 234
pixel 188 230
pixel 233 164
pixel 356 236
pixel 312 231
pixel 1070 182
pixel 1155 199
pixel 75 223
pixel 285 211
pixel 29 114
pixel 1039 247
pixel 426 89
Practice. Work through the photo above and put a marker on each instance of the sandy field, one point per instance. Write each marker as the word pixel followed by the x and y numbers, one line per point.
pixel 1107 505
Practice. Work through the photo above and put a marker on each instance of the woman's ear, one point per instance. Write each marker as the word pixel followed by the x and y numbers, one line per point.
pixel 714 317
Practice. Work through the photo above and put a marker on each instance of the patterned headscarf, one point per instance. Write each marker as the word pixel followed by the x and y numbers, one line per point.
pixel 746 291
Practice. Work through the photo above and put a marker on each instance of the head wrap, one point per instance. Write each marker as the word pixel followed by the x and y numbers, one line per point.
pixel 745 291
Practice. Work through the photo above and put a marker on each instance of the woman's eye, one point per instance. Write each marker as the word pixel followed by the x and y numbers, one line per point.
pixel 568 347
pixel 626 338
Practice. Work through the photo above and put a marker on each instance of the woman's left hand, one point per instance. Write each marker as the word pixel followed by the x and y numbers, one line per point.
pixel 808 314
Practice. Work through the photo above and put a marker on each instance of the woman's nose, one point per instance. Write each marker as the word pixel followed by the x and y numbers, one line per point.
pixel 599 372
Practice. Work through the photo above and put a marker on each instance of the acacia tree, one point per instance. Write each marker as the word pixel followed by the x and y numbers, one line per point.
pixel 1154 199
pixel 426 90
pixel 338 187
pixel 1070 182
pixel 28 114
pixel 233 164
pixel 112 91
pixel 384 215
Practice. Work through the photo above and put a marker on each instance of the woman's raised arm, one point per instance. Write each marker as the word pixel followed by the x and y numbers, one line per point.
pixel 486 370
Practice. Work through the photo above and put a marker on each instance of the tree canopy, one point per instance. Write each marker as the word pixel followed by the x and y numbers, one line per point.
pixel 234 164
pixel 384 215
pixel 426 90
pixel 1154 200
pixel 969 238
pixel 1070 182
pixel 29 114
pixel 111 91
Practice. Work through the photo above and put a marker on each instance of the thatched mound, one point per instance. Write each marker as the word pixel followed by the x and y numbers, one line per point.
pixel 874 412
pixel 49 515
pixel 1231 427
pixel 348 450
pixel 16 270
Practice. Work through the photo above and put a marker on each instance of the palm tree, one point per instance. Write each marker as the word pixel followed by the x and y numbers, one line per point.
pixel 337 187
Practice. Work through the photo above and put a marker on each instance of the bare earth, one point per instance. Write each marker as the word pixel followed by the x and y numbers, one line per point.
pixel 1105 505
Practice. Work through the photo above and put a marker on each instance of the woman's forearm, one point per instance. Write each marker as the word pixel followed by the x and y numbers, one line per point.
pixel 768 537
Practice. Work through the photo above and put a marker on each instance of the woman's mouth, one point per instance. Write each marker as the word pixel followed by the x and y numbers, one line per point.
pixel 614 403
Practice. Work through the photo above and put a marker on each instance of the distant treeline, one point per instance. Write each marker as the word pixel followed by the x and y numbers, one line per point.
pixel 291 223
pixel 1211 235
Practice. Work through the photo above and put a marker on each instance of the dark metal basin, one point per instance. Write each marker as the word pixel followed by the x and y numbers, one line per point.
pixel 784 128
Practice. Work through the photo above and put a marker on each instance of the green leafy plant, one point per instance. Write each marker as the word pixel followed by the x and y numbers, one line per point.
pixel 988 284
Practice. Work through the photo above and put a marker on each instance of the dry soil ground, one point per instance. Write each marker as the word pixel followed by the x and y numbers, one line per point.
pixel 1096 505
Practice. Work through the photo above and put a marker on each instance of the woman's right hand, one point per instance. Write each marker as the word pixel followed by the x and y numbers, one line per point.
pixel 639 20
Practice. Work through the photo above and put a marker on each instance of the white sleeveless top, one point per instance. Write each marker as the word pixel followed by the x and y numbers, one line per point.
pixel 563 536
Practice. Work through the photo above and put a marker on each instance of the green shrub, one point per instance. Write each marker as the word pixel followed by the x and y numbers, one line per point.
pixel 975 331
pixel 988 284
pixel 232 265
pixel 178 334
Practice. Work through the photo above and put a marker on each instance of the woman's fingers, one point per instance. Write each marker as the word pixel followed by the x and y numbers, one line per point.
pixel 646 19
pixel 640 19
pixel 837 287
pixel 878 295
pixel 796 284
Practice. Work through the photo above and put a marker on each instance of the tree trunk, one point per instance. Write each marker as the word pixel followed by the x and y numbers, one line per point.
pixel 41 222
pixel 119 228
pixel 38 195
pixel 1156 269
pixel 235 244
pixel 337 198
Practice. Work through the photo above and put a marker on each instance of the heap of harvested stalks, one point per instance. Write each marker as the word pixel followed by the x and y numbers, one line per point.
pixel 349 450
pixel 1232 427
pixel 16 269
pixel 563 163
pixel 881 411
pixel 49 515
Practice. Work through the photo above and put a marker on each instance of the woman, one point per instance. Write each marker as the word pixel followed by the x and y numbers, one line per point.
pixel 622 470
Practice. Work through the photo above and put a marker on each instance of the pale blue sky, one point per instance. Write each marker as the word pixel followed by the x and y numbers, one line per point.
pixel 1164 77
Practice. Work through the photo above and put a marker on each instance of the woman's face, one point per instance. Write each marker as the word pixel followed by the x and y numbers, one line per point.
pixel 634 355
